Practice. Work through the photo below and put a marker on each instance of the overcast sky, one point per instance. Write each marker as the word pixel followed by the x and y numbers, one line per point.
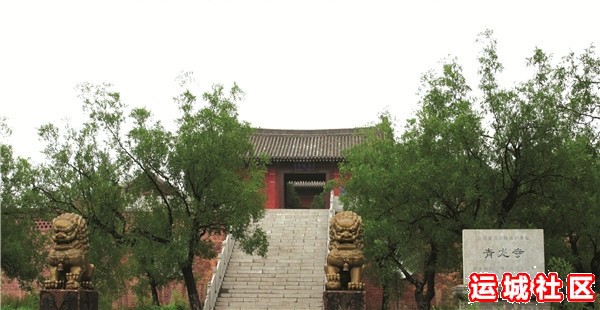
pixel 303 64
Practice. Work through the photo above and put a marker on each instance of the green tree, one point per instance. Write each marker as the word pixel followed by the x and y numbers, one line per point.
pixel 546 148
pixel 292 200
pixel 22 242
pixel 517 157
pixel 158 192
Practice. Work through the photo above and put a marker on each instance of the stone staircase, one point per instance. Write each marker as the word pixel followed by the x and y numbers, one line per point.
pixel 291 276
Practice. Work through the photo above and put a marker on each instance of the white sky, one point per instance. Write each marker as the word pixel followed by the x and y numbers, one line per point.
pixel 303 64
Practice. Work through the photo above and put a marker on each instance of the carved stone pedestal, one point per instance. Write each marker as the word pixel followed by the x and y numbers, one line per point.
pixel 344 300
pixel 69 300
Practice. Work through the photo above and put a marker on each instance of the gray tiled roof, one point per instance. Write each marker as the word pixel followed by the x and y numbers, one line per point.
pixel 305 145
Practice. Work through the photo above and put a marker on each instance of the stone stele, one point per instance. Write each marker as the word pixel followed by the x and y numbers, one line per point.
pixel 503 250
pixel 499 251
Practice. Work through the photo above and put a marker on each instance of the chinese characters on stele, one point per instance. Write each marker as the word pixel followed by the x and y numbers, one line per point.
pixel 519 287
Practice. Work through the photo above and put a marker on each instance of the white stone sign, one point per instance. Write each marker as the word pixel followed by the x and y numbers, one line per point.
pixel 502 250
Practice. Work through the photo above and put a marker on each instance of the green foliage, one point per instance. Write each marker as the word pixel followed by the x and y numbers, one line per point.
pixel 318 201
pixel 111 275
pixel 560 266
pixel 177 303
pixel 155 193
pixel 292 200
pixel 167 307
pixel 526 156
pixel 563 268
pixel 30 301
pixel 22 243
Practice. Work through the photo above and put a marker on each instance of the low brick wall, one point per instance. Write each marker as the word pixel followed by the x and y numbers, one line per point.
pixel 11 288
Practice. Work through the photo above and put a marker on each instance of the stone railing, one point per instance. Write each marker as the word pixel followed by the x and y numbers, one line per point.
pixel 335 206
pixel 213 287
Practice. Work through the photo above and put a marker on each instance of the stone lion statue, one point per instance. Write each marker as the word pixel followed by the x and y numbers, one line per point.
pixel 345 260
pixel 68 258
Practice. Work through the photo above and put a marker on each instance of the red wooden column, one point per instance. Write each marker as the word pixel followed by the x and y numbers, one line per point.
pixel 271 188
pixel 335 174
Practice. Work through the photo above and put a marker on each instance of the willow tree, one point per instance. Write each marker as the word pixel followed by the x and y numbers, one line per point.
pixel 523 156
pixel 159 192
pixel 22 258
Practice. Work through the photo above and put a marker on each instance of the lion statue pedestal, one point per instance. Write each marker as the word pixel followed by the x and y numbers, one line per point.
pixel 68 299
pixel 345 262
pixel 69 285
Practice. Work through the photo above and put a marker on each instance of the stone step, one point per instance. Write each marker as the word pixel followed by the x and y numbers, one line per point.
pixel 272 305
pixel 291 276
pixel 264 281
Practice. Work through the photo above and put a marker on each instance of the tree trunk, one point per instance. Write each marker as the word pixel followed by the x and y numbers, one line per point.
pixel 573 240
pixel 508 203
pixel 425 291
pixel 384 296
pixel 595 267
pixel 153 289
pixel 423 303
pixel 190 285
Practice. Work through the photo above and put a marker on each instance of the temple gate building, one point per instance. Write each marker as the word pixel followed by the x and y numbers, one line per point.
pixel 301 162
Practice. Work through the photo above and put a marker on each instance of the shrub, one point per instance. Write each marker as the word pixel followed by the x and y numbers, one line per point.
pixel 31 301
